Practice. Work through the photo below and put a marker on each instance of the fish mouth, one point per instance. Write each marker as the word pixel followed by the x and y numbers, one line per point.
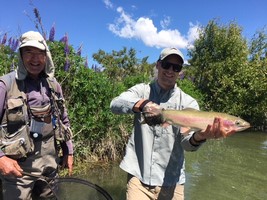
pixel 244 127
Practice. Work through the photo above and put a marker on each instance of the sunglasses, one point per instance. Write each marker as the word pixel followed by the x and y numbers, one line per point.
pixel 175 67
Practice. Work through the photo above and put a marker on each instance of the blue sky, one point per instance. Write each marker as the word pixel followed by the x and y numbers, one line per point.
pixel 145 25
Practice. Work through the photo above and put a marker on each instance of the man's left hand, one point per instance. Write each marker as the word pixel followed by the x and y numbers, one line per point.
pixel 68 162
pixel 214 131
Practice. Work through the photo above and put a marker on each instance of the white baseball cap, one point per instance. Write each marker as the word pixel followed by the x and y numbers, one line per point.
pixel 32 39
pixel 169 51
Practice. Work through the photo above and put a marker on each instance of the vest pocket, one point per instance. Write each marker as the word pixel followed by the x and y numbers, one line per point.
pixel 18 144
pixel 16 114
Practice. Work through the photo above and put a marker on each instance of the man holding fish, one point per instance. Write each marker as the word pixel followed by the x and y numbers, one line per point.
pixel 154 158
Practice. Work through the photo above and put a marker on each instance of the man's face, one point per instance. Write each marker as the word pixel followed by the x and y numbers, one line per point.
pixel 168 71
pixel 34 60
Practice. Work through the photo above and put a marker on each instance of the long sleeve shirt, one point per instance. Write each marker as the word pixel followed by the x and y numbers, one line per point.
pixel 155 154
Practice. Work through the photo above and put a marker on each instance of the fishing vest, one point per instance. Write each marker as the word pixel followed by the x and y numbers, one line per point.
pixel 15 134
pixel 15 115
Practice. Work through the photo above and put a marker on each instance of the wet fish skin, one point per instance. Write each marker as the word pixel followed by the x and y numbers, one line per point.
pixel 199 120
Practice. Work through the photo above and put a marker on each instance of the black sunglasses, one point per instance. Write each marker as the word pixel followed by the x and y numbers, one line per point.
pixel 175 67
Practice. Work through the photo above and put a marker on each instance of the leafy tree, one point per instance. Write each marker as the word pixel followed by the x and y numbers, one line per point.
pixel 219 58
pixel 229 81
pixel 88 94
pixel 122 64
pixel 188 87
pixel 257 87
pixel 258 45
pixel 8 55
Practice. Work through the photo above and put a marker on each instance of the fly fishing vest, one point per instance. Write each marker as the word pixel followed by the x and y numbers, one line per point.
pixel 16 138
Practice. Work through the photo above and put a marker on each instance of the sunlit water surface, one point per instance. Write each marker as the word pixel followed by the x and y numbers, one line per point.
pixel 234 168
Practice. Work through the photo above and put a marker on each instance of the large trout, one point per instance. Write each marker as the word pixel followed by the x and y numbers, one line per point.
pixel 199 120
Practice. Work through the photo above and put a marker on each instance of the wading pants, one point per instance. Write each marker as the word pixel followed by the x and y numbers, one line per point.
pixel 42 162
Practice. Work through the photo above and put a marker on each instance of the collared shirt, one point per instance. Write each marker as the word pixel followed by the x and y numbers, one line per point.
pixel 155 154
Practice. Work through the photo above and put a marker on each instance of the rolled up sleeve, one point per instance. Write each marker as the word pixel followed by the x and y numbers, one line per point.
pixel 124 103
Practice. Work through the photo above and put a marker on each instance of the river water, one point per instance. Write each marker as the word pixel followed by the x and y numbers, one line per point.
pixel 234 168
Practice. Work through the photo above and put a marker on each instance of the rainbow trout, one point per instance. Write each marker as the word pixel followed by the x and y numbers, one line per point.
pixel 199 120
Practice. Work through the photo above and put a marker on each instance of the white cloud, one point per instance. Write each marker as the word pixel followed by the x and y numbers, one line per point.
pixel 124 26
pixel 193 33
pixel 108 3
pixel 165 22
pixel 144 29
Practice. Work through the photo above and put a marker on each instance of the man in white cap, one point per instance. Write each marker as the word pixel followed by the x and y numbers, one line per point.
pixel 154 157
pixel 30 123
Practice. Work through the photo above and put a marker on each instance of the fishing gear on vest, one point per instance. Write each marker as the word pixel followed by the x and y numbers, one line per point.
pixel 15 140
pixel 62 132
pixel 21 124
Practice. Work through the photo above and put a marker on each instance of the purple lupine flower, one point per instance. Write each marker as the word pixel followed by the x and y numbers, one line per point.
pixel 14 44
pixel 37 14
pixel 67 65
pixel 17 43
pixel 79 51
pixel 9 42
pixel 4 39
pixel 52 34
pixel 86 62
pixel 66 49
pixel 64 39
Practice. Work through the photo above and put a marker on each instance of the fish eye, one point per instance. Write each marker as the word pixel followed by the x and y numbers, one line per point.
pixel 237 123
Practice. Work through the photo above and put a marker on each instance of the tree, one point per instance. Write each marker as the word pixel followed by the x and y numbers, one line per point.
pixel 224 74
pixel 8 55
pixel 258 79
pixel 122 64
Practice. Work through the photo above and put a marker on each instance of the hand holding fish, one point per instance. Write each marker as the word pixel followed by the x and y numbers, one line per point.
pixel 152 113
pixel 207 125
pixel 195 120
pixel 214 131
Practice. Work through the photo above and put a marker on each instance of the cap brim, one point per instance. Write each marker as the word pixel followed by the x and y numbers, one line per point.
pixel 33 43
pixel 171 51
pixel 178 55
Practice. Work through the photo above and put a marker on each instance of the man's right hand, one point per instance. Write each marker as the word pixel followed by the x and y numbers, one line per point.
pixel 9 167
pixel 152 113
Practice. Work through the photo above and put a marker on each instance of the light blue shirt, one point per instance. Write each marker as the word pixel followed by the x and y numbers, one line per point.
pixel 155 155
